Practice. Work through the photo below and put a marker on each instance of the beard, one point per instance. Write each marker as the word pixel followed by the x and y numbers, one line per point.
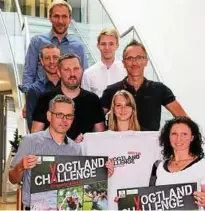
pixel 55 29
pixel 72 86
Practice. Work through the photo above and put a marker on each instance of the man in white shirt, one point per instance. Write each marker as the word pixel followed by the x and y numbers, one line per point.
pixel 107 71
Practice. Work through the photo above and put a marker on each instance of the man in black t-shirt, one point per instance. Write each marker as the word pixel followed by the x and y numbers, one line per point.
pixel 89 115
pixel 149 95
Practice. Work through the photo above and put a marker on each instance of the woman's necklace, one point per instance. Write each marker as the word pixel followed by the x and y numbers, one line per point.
pixel 180 163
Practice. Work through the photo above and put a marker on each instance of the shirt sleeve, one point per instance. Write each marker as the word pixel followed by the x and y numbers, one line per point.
pixel 167 95
pixel 31 65
pixel 23 150
pixel 85 83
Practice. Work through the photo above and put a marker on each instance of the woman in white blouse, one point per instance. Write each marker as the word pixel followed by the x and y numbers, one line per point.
pixel 184 161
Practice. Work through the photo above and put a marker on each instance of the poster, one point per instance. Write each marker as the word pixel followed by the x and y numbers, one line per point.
pixel 69 183
pixel 164 197
pixel 133 154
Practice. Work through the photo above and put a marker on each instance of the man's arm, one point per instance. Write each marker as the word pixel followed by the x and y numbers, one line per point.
pixel 31 65
pixel 27 162
pixel 37 126
pixel 176 109
pixel 99 127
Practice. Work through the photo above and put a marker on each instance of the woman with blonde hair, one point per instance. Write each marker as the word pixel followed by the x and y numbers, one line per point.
pixel 123 113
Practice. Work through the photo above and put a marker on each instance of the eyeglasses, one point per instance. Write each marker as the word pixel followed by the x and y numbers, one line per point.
pixel 136 58
pixel 62 116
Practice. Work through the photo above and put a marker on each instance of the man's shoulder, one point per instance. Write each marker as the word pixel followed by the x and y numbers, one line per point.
pixel 119 63
pixel 72 143
pixel 88 95
pixel 51 94
pixel 40 37
pixel 33 137
pixel 37 86
pixel 73 40
pixel 116 86
pixel 93 69
pixel 153 84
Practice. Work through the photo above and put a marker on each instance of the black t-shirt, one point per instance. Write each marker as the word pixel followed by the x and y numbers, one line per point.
pixel 148 98
pixel 88 111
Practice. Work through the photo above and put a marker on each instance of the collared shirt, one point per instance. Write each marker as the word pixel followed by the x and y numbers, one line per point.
pixel 33 69
pixel 88 111
pixel 34 92
pixel 148 98
pixel 41 143
pixel 97 77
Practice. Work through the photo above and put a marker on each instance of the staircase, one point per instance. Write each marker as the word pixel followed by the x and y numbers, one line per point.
pixel 38 25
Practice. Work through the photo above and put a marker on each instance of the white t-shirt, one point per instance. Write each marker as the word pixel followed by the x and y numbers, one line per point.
pixel 194 173
pixel 123 146
pixel 97 77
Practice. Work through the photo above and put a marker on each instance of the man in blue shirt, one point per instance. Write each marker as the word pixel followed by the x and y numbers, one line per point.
pixel 49 55
pixel 60 17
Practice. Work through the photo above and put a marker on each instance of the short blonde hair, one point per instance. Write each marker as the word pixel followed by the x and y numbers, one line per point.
pixel 133 124
pixel 110 32
pixel 60 3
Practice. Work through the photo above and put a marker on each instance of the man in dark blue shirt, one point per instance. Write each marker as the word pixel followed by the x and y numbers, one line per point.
pixel 60 17
pixel 49 55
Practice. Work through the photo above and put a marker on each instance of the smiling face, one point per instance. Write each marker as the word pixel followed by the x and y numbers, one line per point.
pixel 49 60
pixel 107 46
pixel 180 137
pixel 58 123
pixel 60 19
pixel 135 67
pixel 122 110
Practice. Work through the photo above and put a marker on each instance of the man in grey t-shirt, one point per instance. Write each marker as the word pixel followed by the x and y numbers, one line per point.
pixel 52 141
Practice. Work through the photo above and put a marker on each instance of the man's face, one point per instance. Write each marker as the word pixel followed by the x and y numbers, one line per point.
pixel 70 73
pixel 60 19
pixel 61 117
pixel 135 60
pixel 107 47
pixel 49 60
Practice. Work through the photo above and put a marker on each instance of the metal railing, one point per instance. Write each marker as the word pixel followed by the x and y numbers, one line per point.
pixel 27 34
pixel 14 64
pixel 151 60
pixel 20 16
pixel 84 40
pixel 136 32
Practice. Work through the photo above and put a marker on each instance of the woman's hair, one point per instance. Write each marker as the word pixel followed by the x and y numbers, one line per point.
pixel 164 138
pixel 133 124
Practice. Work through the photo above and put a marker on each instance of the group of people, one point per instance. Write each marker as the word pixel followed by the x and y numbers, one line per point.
pixel 65 99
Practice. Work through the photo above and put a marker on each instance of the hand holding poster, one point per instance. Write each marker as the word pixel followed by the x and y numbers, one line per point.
pixel 164 197
pixel 69 182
